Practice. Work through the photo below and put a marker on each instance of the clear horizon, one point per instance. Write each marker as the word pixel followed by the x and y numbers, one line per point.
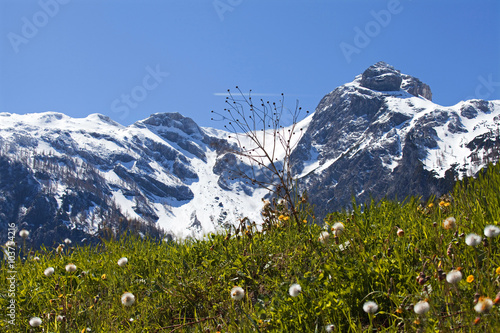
pixel 129 59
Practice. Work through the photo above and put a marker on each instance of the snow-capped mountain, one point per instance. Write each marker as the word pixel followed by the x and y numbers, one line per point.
pixel 382 136
pixel 160 170
pixel 379 135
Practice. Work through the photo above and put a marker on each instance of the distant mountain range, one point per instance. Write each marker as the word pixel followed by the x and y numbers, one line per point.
pixel 377 136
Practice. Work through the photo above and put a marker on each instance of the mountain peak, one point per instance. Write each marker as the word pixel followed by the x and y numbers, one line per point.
pixel 384 77
pixel 381 77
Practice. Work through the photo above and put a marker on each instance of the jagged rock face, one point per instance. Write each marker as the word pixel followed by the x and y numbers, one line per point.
pixel 416 87
pixel 391 141
pixel 381 77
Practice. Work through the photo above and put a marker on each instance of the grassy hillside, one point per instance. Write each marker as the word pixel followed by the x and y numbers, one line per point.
pixel 294 276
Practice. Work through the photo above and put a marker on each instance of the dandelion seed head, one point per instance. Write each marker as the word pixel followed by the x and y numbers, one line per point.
pixel 330 328
pixel 60 318
pixel 237 293
pixel 450 223
pixel 454 276
pixel 484 304
pixel 473 239
pixel 295 289
pixel 122 262
pixel 421 307
pixel 67 241
pixel 128 299
pixel 36 258
pixel 70 268
pixel 338 228
pixel 324 236
pixel 35 321
pixel 48 271
pixel 370 307
pixel 24 234
pixel 491 231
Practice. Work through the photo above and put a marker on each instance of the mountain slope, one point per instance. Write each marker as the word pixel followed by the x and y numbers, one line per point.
pixel 379 135
pixel 365 142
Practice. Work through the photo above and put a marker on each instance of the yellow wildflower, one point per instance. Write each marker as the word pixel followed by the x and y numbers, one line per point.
pixel 470 279
pixel 442 203
pixel 497 270
pixel 103 276
pixel 430 205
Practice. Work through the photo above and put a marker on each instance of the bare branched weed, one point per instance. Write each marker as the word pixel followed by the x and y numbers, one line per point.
pixel 265 144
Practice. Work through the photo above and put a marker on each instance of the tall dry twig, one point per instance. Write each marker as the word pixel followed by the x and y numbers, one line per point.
pixel 264 143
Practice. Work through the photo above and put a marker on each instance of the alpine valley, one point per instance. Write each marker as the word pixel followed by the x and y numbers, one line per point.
pixel 379 136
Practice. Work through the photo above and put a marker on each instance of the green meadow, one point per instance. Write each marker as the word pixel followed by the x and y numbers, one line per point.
pixel 388 266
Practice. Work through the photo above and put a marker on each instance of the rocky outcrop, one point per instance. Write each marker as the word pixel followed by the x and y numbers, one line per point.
pixel 416 87
pixel 381 77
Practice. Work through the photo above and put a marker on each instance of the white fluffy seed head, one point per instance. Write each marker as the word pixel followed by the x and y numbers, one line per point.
pixel 295 289
pixel 48 271
pixel 484 304
pixel 450 223
pixel 324 236
pixel 67 241
pixel 370 307
pixel 338 229
pixel 330 328
pixel 60 318
pixel 491 231
pixel 473 239
pixel 454 276
pixel 122 262
pixel 24 234
pixel 237 293
pixel 35 322
pixel 10 243
pixel 128 299
pixel 70 268
pixel 421 307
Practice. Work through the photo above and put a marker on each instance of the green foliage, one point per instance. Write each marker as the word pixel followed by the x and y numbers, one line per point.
pixel 394 254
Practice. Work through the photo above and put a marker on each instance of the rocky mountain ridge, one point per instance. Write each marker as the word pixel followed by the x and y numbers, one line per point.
pixel 377 136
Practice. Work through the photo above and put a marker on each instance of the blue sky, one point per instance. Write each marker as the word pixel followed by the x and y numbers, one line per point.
pixel 130 58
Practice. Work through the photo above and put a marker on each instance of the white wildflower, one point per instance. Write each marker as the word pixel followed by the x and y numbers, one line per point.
pixel 237 293
pixel 35 322
pixel 473 239
pixel 484 304
pixel 49 271
pixel 421 307
pixel 295 290
pixel 128 299
pixel 454 276
pixel 70 268
pixel 122 262
pixel 324 236
pixel 330 328
pixel 370 307
pixel 338 229
pixel 491 231
pixel 450 223
pixel 24 234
